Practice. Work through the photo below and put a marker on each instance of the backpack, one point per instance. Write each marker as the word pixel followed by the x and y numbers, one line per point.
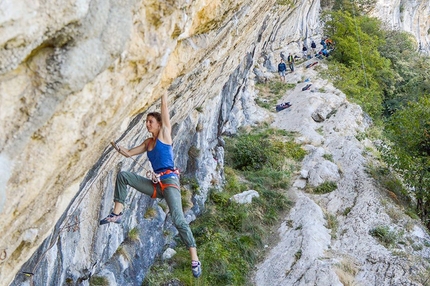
pixel 282 106
pixel 313 45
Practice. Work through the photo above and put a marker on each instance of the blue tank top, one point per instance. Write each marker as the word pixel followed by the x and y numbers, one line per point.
pixel 161 158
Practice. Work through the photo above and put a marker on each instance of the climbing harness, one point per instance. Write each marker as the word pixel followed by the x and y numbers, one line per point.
pixel 159 175
pixel 154 177
pixel 156 180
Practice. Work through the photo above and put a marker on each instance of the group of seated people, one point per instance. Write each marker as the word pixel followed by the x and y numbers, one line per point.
pixel 324 52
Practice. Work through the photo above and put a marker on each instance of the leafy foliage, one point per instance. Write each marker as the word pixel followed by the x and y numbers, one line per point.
pixel 411 71
pixel 409 128
pixel 326 187
pixel 360 70
pixel 360 88
pixel 381 70
pixel 386 236
pixel 255 150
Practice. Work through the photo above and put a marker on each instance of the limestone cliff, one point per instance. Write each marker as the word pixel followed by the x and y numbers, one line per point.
pixel 77 75
pixel 326 239
pixel 409 16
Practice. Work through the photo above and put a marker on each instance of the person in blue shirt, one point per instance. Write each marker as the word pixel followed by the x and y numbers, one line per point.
pixel 313 46
pixel 164 182
pixel 282 68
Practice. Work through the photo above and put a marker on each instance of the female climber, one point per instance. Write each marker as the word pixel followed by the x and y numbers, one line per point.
pixel 165 181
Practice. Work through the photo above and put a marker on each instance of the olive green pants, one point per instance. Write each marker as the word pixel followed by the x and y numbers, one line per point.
pixel 171 194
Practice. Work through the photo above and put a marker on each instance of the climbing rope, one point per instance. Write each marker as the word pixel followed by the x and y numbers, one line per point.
pixel 155 178
pixel 359 43
pixel 65 225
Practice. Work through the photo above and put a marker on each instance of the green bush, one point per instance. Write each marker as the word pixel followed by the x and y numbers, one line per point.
pixel 99 281
pixel 264 104
pixel 230 237
pixel 325 187
pixel 219 197
pixel 389 181
pixel 384 235
pixel 254 150
pixel 232 184
pixel 328 157
pixel 293 150
pixel 332 224
pixel 382 71
pixel 298 255
pixel 412 214
pixel 133 234
pixel 268 178
pixel 251 153
pixel 346 211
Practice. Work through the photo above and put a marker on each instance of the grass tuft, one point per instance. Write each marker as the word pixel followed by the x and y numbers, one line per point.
pixel 271 92
pixel 133 234
pixel 150 213
pixel 99 281
pixel 386 236
pixel 391 183
pixel 325 188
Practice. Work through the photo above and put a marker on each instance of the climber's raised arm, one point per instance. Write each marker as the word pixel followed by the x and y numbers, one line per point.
pixel 166 128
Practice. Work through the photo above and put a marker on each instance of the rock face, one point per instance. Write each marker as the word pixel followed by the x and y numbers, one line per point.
pixel 409 16
pixel 326 238
pixel 76 76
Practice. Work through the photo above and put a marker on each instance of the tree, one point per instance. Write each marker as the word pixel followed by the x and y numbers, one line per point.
pixel 361 72
pixel 411 71
pixel 361 89
pixel 381 69
pixel 409 130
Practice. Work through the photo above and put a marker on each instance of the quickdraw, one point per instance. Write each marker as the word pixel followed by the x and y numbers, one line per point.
pixel 3 254
pixel 156 177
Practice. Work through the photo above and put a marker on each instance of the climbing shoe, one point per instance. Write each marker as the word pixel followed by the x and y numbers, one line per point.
pixel 196 268
pixel 116 218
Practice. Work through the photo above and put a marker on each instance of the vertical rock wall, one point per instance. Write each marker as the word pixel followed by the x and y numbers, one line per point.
pixel 85 73
pixel 408 15
pixel 77 75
